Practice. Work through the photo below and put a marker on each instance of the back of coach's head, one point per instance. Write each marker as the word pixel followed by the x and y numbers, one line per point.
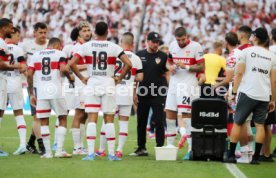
pixel 101 29
pixel 127 38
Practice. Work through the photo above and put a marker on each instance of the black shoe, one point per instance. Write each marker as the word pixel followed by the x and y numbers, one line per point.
pixel 254 161
pixel 32 149
pixel 140 152
pixel 263 158
pixel 41 147
pixel 274 153
pixel 230 160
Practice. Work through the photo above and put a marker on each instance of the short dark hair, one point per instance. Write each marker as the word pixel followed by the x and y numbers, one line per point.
pixel 273 34
pixel 39 25
pixel 180 31
pixel 74 34
pixel 101 28
pixel 5 22
pixel 54 40
pixel 232 38
pixel 128 34
pixel 15 30
pixel 245 29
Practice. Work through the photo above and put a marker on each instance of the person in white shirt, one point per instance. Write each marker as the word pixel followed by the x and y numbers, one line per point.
pixel 6 28
pixel 14 87
pixel 255 80
pixel 30 47
pixel 100 56
pixel 124 93
pixel 45 68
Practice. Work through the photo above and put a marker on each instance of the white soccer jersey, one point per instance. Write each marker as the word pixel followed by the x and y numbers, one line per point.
pixel 14 83
pixel 256 79
pixel 100 57
pixel 191 54
pixel 124 90
pixel 30 47
pixel 4 55
pixel 67 49
pixel 75 49
pixel 46 64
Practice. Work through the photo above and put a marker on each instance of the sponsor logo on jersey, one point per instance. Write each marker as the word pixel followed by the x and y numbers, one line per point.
pixel 263 71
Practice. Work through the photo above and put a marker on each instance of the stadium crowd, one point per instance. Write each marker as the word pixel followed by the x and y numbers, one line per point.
pixel 187 29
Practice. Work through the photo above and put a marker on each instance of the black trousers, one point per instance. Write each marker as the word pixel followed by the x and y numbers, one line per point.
pixel 159 118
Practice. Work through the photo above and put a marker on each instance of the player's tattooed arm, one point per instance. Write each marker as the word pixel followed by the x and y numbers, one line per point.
pixel 73 65
pixel 30 74
pixel 123 57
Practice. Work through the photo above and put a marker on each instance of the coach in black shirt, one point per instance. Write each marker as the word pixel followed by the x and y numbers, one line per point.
pixel 151 93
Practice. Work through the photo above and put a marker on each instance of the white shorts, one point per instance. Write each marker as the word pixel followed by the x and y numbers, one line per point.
pixel 124 110
pixel 106 102
pixel 43 107
pixel 3 94
pixel 181 101
pixel 16 100
pixel 70 100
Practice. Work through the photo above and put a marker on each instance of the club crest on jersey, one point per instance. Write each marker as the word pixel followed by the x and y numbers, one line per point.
pixel 157 60
pixel 188 53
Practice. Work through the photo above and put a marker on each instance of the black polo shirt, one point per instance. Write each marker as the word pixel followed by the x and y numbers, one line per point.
pixel 154 67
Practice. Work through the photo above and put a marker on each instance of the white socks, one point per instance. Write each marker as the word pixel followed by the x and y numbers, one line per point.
pixel 21 127
pixel 123 133
pixel 182 131
pixel 61 132
pixel 102 138
pixel 110 137
pixel 171 131
pixel 82 134
pixel 76 137
pixel 45 134
pixel 188 131
pixel 91 137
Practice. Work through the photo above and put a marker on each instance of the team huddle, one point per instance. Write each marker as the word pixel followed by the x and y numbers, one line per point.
pixel 94 74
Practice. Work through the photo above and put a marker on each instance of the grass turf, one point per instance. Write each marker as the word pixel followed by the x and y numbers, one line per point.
pixel 32 166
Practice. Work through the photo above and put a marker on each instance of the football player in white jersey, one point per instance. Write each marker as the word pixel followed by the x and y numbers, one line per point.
pixel 30 47
pixel 124 92
pixel 187 60
pixel 45 68
pixel 100 56
pixel 14 87
pixel 6 28
pixel 78 124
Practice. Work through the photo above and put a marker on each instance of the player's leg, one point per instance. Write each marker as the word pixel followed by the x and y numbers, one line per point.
pixel 54 148
pixel 79 113
pixel 82 131
pixel 43 112
pixel 109 108
pixel 171 116
pixel 3 103
pixel 16 101
pixel 101 151
pixel 92 107
pixel 59 106
pixel 124 113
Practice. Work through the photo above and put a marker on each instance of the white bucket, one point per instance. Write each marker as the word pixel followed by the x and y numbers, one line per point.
pixel 166 153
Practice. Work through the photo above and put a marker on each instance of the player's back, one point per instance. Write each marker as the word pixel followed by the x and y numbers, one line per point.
pixel 100 57
pixel 46 64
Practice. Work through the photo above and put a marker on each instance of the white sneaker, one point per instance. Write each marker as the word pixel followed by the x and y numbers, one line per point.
pixel 79 151
pixel 47 156
pixel 20 151
pixel 63 155
pixel 244 158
